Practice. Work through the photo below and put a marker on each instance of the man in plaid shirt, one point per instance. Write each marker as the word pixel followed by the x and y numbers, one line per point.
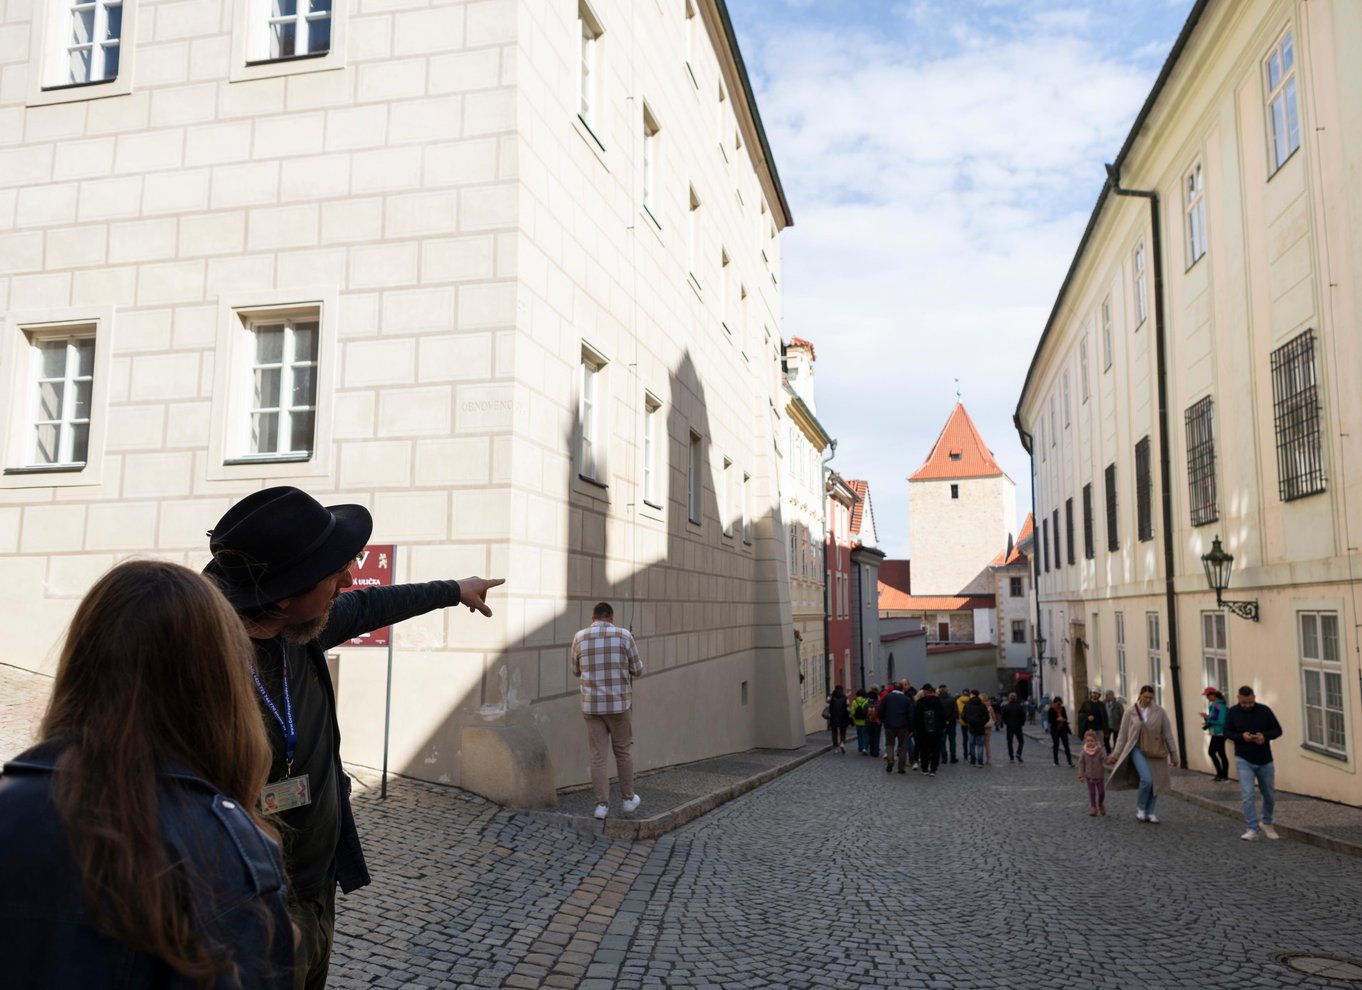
pixel 605 658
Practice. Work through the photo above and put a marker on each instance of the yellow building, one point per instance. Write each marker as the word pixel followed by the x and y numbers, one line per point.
pixel 1199 378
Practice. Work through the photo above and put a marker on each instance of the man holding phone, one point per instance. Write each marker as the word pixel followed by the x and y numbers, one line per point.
pixel 1252 727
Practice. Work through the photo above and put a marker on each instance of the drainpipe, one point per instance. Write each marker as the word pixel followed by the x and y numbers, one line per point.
pixel 1165 486
pixel 827 591
pixel 1027 440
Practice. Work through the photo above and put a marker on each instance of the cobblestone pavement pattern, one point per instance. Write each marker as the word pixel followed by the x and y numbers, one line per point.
pixel 839 875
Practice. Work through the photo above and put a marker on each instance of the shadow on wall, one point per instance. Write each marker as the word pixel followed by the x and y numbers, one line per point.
pixel 709 612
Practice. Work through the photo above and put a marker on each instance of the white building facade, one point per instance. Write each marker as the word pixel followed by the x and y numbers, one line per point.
pixel 1224 407
pixel 507 272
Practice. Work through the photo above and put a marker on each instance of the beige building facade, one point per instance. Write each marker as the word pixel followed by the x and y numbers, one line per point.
pixel 1226 405
pixel 507 272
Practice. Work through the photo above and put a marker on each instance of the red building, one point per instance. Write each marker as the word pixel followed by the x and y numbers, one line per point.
pixel 841 503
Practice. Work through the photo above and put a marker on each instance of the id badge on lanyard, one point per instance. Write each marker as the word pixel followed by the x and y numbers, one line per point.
pixel 289 792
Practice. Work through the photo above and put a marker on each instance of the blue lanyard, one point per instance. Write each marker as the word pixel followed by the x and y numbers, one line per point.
pixel 286 724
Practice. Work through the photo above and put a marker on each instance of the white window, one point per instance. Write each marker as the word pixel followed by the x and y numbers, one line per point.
pixel 1322 676
pixel 1083 367
pixel 1106 333
pixel 589 460
pixel 283 374
pixel 1215 658
pixel 1122 687
pixel 297 28
pixel 692 35
pixel 588 66
pixel 652 139
pixel 652 418
pixel 90 37
pixel 725 290
pixel 1194 207
pixel 693 465
pixel 1283 119
pixel 1067 400
pixel 693 236
pixel 61 376
pixel 1153 642
pixel 1141 299
pixel 726 498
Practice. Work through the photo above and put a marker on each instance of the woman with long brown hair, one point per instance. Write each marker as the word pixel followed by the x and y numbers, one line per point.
pixel 132 853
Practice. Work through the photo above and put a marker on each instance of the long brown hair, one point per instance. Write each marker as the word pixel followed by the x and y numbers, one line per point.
pixel 156 665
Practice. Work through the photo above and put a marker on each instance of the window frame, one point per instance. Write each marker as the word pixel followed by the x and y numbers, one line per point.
pixel 1105 317
pixel 1144 490
pixel 287 322
pixel 1323 667
pixel 693 238
pixel 1296 417
pixel 1089 524
pixel 1140 281
pixel 652 415
pixel 694 479
pixel 1215 654
pixel 745 503
pixel 250 44
pixel 1113 508
pixel 1018 632
pixel 1194 213
pixel 1084 388
pixel 1122 680
pixel 1069 530
pixel 1199 423
pixel 1015 588
pixel 652 151
pixel 49 81
pixel 1153 628
pixel 590 35
pixel 1286 90
pixel 725 491
pixel 592 432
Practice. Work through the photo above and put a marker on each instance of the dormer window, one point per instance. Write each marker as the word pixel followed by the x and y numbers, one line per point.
pixel 955 455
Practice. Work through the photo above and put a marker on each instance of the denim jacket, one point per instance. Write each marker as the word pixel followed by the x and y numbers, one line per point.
pixel 46 938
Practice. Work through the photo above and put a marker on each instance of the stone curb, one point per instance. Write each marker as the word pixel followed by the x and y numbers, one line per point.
pixel 669 821
pixel 1306 835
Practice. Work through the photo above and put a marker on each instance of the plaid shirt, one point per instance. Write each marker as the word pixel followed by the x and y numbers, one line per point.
pixel 605 658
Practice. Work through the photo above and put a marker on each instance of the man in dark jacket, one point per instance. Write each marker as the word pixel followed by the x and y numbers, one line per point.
pixel 952 716
pixel 976 721
pixel 929 722
pixel 1092 716
pixel 1252 727
pixel 895 715
pixel 283 560
pixel 1013 715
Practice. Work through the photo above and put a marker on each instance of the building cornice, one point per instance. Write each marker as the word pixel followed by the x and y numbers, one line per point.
pixel 808 422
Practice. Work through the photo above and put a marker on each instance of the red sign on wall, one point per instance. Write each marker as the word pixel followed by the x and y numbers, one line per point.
pixel 373 569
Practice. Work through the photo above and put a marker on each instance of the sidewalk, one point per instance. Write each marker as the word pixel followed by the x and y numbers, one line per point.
pixel 1337 827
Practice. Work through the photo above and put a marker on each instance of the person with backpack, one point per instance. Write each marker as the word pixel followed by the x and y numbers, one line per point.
pixel 895 715
pixel 872 720
pixel 976 720
pixel 839 717
pixel 952 717
pixel 858 705
pixel 929 722
pixel 1014 717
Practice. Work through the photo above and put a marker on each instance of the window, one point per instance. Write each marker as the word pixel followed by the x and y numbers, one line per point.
pixel 1056 532
pixel 1295 412
pixel 1113 532
pixel 722 111
pixel 1045 543
pixel 955 491
pixel 1054 423
pixel 1067 403
pixel 283 408
pixel 1122 689
pixel 1106 334
pixel 1284 126
pixel 1144 492
pixel 588 66
pixel 725 290
pixel 298 28
pixel 1322 674
pixel 1194 208
pixel 693 235
pixel 1019 630
pixel 692 30
pixel 1215 660
pixel 1015 587
pixel 955 455
pixel 693 479
pixel 90 38
pixel 59 390
pixel 1201 462
pixel 1089 550
pixel 1141 299
pixel 652 139
pixel 1154 643
pixel 1083 367
pixel 747 508
pixel 589 460
pixel 1069 528
pixel 726 498
pixel 652 417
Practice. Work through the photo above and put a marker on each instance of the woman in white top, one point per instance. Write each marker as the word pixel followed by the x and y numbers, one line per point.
pixel 1148 743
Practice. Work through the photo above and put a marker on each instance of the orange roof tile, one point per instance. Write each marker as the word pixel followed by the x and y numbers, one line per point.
pixel 959 452
pixel 858 510
pixel 1017 556
pixel 894 601
pixel 801 342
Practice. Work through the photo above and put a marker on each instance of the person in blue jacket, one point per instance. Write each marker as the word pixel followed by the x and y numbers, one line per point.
pixel 132 853
pixel 1214 723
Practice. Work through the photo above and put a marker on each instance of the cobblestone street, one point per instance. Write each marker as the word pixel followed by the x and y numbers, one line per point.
pixel 840 875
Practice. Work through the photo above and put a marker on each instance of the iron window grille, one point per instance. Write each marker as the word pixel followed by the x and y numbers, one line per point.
pixel 1069 528
pixel 1295 410
pixel 1144 501
pixel 1089 550
pixel 1113 532
pixel 1201 462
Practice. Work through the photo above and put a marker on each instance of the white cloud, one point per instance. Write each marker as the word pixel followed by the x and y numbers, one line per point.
pixel 940 171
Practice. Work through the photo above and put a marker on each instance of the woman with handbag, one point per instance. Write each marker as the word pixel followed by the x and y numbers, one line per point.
pixel 1148 745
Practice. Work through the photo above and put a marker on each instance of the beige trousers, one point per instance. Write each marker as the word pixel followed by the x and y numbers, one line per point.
pixel 617 732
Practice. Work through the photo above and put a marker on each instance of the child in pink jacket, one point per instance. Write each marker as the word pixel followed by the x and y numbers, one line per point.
pixel 1091 767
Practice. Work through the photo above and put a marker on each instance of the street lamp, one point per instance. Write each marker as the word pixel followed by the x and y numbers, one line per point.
pixel 1218 565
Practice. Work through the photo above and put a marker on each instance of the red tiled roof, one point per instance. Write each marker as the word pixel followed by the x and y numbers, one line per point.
pixel 861 488
pixel 801 342
pixel 959 452
pixel 1017 556
pixel 895 594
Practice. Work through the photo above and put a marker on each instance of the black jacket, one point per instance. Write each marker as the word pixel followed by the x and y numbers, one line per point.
pixel 928 703
pixel 46 938
pixel 1257 719
pixel 839 714
pixel 1013 714
pixel 952 713
pixel 1097 711
pixel 976 716
pixel 896 710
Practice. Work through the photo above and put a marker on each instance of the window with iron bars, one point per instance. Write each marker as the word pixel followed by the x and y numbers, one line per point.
pixel 1113 533
pixel 1295 412
pixel 1069 528
pixel 1089 550
pixel 1201 462
pixel 1144 492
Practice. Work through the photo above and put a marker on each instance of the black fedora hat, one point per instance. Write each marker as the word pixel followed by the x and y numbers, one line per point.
pixel 280 542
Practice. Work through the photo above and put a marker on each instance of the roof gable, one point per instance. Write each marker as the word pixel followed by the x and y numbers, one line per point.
pixel 959 452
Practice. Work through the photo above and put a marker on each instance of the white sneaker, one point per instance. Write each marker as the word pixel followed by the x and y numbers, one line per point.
pixel 1250 836
pixel 1140 815
pixel 632 804
pixel 602 810
pixel 1152 819
pixel 1269 831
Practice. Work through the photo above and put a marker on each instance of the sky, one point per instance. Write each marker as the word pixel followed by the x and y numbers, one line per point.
pixel 941 159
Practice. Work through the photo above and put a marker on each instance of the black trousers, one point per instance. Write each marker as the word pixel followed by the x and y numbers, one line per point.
pixel 1217 751
pixel 1017 735
pixel 928 752
pixel 1062 737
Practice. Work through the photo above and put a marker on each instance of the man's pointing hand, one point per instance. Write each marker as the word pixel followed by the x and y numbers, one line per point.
pixel 473 593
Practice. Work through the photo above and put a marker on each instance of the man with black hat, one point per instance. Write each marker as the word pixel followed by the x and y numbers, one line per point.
pixel 282 559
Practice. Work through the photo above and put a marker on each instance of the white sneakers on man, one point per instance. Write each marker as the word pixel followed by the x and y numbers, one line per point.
pixel 602 810
pixel 1250 836
pixel 1269 831
pixel 1140 815
pixel 632 804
